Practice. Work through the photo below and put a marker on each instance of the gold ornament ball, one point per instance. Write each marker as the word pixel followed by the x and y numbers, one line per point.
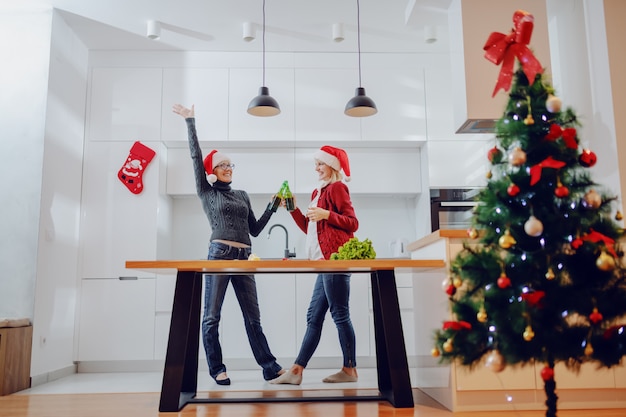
pixel 435 352
pixel 481 316
pixel 528 334
pixel 529 120
pixel 472 233
pixel 550 274
pixel 488 175
pixel 588 349
pixel 506 240
pixel 457 282
pixel 517 157
pixel 605 262
pixel 448 346
pixel 495 361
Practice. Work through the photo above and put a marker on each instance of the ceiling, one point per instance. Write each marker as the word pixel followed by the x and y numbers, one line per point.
pixel 393 26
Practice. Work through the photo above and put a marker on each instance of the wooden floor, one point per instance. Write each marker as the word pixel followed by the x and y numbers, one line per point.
pixel 146 405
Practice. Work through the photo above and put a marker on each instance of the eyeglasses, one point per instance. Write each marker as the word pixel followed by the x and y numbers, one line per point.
pixel 225 166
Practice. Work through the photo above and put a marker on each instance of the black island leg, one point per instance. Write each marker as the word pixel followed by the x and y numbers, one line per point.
pixel 394 382
pixel 180 375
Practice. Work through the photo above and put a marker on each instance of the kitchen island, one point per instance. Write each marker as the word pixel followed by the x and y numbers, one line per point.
pixel 180 376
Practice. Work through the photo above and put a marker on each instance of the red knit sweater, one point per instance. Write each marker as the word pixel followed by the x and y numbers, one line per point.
pixel 341 223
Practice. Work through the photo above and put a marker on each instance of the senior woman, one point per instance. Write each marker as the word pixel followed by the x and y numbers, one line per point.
pixel 232 222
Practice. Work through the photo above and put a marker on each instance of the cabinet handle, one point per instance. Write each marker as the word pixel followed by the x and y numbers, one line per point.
pixel 128 278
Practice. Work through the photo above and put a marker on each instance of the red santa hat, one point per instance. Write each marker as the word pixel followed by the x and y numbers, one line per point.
pixel 213 159
pixel 336 158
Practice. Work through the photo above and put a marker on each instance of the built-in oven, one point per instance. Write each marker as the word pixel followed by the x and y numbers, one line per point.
pixel 452 208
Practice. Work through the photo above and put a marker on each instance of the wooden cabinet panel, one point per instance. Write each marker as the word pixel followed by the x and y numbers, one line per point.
pixel 15 350
pixel 483 379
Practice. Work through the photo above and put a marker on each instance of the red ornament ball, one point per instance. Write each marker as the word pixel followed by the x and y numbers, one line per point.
pixel 595 317
pixel 587 158
pixel 494 155
pixel 547 373
pixel 451 290
pixel 561 191
pixel 513 190
pixel 504 281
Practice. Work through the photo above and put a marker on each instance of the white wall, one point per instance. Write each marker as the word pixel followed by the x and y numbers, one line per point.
pixel 57 256
pixel 25 44
pixel 581 77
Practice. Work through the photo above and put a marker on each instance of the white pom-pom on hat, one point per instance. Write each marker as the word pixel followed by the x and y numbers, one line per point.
pixel 336 158
pixel 213 159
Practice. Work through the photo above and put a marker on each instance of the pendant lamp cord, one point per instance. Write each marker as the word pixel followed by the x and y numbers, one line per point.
pixel 263 42
pixel 358 36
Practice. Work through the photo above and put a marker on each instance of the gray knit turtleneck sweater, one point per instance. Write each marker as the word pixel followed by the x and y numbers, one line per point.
pixel 229 211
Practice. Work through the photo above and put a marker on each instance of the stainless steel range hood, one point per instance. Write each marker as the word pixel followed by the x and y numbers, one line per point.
pixel 473 76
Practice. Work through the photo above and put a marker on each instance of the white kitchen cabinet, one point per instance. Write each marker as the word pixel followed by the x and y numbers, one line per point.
pixel 368 168
pixel 116 225
pixel 458 163
pixel 320 97
pixel 277 303
pixel 116 319
pixel 400 99
pixel 257 170
pixel 244 85
pixel 207 90
pixel 322 94
pixel 125 104
pixel 360 303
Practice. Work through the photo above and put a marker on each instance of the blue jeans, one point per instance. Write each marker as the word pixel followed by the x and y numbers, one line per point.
pixel 331 291
pixel 245 290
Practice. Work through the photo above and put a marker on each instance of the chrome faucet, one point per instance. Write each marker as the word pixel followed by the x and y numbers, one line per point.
pixel 288 254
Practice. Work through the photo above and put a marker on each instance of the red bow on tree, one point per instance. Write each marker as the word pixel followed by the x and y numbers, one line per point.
pixel 596 237
pixel 549 162
pixel 534 298
pixel 501 48
pixel 457 325
pixel 568 135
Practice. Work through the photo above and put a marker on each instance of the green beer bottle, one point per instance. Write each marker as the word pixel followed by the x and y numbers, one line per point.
pixel 290 205
pixel 275 203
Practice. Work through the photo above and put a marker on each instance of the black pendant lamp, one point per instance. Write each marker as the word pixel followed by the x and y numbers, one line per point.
pixel 360 105
pixel 263 105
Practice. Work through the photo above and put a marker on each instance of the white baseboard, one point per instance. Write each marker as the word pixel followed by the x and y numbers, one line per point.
pixel 52 375
pixel 238 364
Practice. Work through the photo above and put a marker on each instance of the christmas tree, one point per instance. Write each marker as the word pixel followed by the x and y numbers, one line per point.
pixel 541 278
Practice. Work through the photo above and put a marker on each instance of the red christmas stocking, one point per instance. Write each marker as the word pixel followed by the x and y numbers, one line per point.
pixel 132 171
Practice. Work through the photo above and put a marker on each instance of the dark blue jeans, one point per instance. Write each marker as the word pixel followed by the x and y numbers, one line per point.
pixel 331 291
pixel 245 289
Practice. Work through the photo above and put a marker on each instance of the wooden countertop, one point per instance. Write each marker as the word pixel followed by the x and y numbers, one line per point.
pixel 436 235
pixel 284 265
